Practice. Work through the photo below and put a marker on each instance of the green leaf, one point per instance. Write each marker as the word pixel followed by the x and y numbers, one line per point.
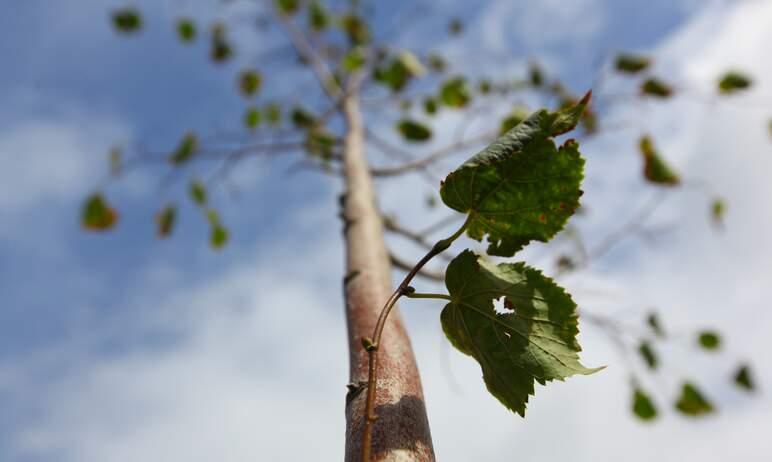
pixel 692 402
pixel 521 187
pixel 455 93
pixel 165 220
pixel 511 120
pixel 430 106
pixel 484 86
pixel 655 170
pixel 631 64
pixel 643 406
pixel 648 355
pixel 353 60
pixel 97 215
pixel 732 82
pixel 127 20
pixel 218 236
pixel 534 340
pixel 319 142
pixel 398 72
pixel 250 82
pixel 318 18
pixel 413 131
pixel 301 118
pixel 212 217
pixel 356 29
pixel 197 192
pixel 709 340
pixel 717 211
pixel 743 378
pixel 220 48
pixel 656 87
pixel 455 27
pixel 436 63
pixel 185 149
pixel 252 118
pixel 186 30
pixel 653 321
pixel 535 75
pixel 287 7
pixel 273 113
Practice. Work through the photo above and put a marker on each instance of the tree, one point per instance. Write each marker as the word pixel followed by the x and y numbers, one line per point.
pixel 344 58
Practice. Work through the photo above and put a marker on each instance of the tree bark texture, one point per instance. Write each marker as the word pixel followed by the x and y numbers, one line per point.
pixel 401 432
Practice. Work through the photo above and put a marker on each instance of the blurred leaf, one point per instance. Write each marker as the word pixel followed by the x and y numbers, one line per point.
pixel 218 236
pixel 302 118
pixel 436 63
pixel 356 29
pixel 250 82
pixel 455 93
pixel 648 355
pixel 691 402
pixel 631 64
pixel 197 192
pixel 732 82
pixel 643 406
pixel 521 187
pixel 413 131
pixel 318 18
pixel 353 60
pixel 535 340
pixel 717 211
pixel 654 168
pixel 273 113
pixel 399 71
pixel 165 220
pixel 657 88
pixel 535 75
pixel 212 217
pixel 430 106
pixel 185 149
pixel 743 378
pixel 565 263
pixel 484 86
pixel 455 27
pixel 127 20
pixel 186 30
pixel 431 201
pixel 97 215
pixel 220 49
pixel 252 118
pixel 511 120
pixel 319 142
pixel 287 7
pixel 653 321
pixel 116 161
pixel 709 340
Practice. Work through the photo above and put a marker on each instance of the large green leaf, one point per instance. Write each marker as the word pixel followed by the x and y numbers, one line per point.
pixel 522 187
pixel 535 340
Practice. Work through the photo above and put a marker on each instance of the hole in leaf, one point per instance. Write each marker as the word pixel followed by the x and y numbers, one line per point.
pixel 502 305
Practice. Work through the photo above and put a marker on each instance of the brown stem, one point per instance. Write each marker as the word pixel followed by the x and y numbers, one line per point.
pixel 403 428
pixel 372 345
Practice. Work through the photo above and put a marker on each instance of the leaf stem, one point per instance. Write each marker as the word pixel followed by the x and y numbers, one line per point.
pixel 372 345
pixel 427 295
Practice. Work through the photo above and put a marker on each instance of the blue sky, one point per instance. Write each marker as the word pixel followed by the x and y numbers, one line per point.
pixel 122 347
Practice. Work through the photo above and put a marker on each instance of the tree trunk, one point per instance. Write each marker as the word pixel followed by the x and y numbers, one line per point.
pixel 401 432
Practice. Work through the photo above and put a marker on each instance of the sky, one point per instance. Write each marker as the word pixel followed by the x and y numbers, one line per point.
pixel 123 347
